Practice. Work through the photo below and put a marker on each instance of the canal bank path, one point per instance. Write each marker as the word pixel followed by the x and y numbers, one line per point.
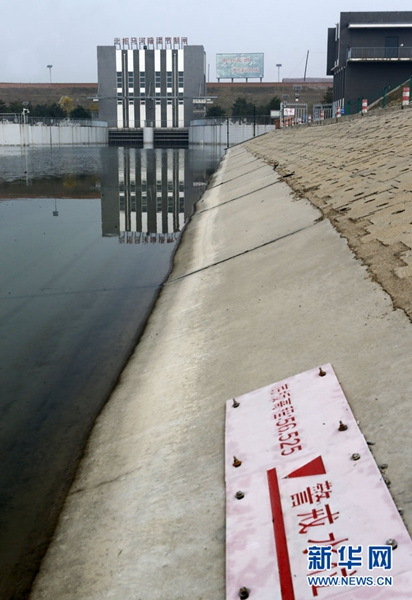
pixel 264 286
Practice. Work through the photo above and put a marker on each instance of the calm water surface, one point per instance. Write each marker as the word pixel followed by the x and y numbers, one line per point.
pixel 87 237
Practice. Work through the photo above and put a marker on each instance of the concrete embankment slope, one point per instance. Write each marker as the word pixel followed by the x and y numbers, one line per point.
pixel 263 287
pixel 358 172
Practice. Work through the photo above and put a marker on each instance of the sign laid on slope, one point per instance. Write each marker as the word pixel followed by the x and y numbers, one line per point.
pixel 309 514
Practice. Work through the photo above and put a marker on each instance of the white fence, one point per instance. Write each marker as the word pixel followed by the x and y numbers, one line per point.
pixel 225 133
pixel 24 134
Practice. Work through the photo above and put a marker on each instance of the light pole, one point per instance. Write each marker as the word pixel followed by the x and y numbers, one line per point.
pixel 278 66
pixel 50 68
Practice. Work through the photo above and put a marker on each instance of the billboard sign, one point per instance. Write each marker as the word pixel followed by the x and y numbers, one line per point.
pixel 239 66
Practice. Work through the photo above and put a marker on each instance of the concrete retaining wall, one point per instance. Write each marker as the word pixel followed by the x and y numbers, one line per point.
pixel 218 134
pixel 15 134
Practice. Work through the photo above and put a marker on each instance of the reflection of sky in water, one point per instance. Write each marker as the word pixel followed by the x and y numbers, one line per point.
pixel 74 294
pixel 45 162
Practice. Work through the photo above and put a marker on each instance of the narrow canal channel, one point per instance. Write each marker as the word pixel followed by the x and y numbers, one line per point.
pixel 87 237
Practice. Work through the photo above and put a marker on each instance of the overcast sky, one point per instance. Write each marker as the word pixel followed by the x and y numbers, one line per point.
pixel 34 34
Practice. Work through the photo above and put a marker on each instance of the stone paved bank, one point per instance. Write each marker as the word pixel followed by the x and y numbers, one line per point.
pixel 358 172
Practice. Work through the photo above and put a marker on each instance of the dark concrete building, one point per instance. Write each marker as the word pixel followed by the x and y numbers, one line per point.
pixel 151 82
pixel 367 53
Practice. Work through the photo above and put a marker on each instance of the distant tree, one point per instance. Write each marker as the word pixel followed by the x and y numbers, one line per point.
pixel 261 109
pixel 80 113
pixel 47 110
pixel 327 97
pixel 264 109
pixel 54 110
pixel 39 110
pixel 67 104
pixel 16 106
pixel 3 107
pixel 215 111
pixel 274 104
pixel 241 108
pixel 93 107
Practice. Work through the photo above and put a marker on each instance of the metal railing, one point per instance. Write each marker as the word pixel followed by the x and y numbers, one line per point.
pixel 380 53
pixel 391 93
pixel 243 120
pixel 19 118
pixel 322 111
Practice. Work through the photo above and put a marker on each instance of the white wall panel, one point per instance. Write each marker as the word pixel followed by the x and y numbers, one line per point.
pixel 180 60
pixel 158 118
pixel 168 60
pixel 142 115
pixel 157 60
pixel 130 60
pixel 142 60
pixel 169 115
pixel 181 115
pixel 131 114
pixel 120 116
pixel 118 60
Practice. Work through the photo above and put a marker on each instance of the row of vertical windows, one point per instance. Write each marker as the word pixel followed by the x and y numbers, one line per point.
pixel 158 99
pixel 142 79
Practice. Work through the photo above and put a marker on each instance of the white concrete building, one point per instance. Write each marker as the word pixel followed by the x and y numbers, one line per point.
pixel 157 83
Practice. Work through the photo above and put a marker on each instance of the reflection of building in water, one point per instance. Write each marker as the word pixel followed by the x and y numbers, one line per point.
pixel 147 195
pixel 151 195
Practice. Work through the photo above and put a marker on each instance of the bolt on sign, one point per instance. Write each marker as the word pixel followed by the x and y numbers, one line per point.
pixel 309 514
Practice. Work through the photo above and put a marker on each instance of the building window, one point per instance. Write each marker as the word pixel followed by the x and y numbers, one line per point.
pixel 180 79
pixel 130 79
pixel 157 82
pixel 119 79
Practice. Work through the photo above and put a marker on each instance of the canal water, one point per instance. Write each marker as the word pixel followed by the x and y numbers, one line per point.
pixel 87 237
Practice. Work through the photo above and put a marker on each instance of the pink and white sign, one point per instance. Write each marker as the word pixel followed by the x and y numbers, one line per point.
pixel 308 512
